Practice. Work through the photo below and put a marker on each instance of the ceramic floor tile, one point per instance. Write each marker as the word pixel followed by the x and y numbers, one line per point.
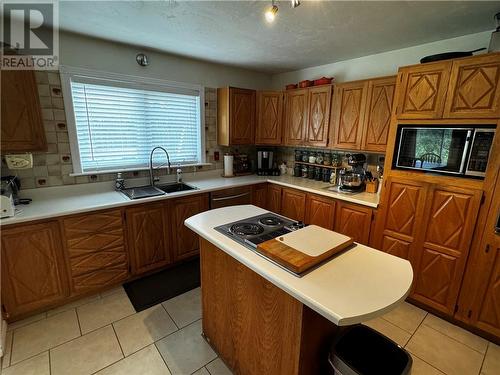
pixel 8 347
pixel 25 322
pixel 186 308
pixel 201 371
pixel 72 305
pixel 444 353
pixel 42 335
pixel 147 361
pixel 87 354
pixel 491 365
pixel 185 351
pixel 118 289
pixel 144 328
pixel 38 365
pixel 388 329
pixel 406 316
pixel 420 367
pixel 457 333
pixel 218 367
pixel 104 311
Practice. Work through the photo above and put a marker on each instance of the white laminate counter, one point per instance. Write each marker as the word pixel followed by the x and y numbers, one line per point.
pixel 51 202
pixel 357 285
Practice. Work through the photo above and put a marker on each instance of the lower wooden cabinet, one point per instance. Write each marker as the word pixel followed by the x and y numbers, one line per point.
pixel 185 241
pixel 274 198
pixel 353 220
pixel 259 195
pixel 293 204
pixel 149 237
pixel 320 211
pixel 33 268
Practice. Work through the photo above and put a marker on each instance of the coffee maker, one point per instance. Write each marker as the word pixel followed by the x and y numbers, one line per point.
pixel 264 163
pixel 352 179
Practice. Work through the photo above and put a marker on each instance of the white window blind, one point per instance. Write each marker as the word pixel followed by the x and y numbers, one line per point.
pixel 118 124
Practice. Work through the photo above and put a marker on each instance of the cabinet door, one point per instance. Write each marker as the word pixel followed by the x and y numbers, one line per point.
pixel 259 195
pixel 33 268
pixel 242 116
pixel 377 119
pixel 450 217
pixel 96 250
pixel 422 90
pixel 269 117
pixel 148 237
pixel 319 115
pixel 474 89
pixel 296 105
pixel 348 115
pixel 274 198
pixel 186 242
pixel 320 211
pixel 354 221
pixel 22 126
pixel 293 204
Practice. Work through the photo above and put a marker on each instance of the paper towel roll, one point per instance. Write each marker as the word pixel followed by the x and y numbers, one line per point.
pixel 228 165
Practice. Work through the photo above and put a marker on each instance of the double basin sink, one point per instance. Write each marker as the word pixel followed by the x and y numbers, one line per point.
pixel 152 191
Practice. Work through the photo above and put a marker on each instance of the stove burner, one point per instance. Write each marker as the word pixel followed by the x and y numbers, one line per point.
pixel 246 229
pixel 270 221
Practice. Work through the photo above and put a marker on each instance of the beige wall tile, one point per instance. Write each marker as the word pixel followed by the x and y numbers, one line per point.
pixel 38 365
pixel 491 365
pixel 406 316
pixel 144 328
pixel 86 354
pixel 388 329
pixel 185 308
pixel 145 362
pixel 444 353
pixel 44 334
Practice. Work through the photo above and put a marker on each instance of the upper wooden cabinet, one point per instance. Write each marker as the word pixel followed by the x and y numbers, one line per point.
pixel 320 211
pixel 474 89
pixel 319 115
pixel 235 116
pixel 422 90
pixel 354 221
pixel 377 118
pixel 348 111
pixel 33 268
pixel 293 204
pixel 269 117
pixel 21 126
pixel 296 116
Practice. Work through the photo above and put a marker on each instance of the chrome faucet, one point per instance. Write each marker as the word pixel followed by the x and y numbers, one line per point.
pixel 152 179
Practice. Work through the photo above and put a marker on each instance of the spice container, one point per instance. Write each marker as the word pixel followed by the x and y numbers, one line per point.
pixel 319 158
pixel 326 175
pixel 298 155
pixel 297 170
pixel 312 157
pixel 310 173
pixel 336 160
pixel 317 174
pixel 305 156
pixel 305 171
pixel 327 158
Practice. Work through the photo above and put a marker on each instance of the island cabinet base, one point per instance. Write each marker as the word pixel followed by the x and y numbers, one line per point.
pixel 254 326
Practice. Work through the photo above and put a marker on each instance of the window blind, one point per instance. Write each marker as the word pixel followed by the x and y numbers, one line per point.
pixel 118 126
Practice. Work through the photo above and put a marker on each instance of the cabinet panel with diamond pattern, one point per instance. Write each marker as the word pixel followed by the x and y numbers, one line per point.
pixel 269 117
pixel 319 115
pixel 296 115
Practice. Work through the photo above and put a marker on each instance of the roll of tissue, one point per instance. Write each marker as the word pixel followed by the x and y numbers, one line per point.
pixel 228 165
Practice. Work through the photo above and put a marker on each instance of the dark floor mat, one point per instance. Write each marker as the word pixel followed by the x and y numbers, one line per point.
pixel 161 286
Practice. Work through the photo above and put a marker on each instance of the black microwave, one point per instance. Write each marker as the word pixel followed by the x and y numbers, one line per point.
pixel 456 150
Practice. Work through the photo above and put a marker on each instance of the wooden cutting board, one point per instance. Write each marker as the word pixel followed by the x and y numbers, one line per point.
pixel 302 249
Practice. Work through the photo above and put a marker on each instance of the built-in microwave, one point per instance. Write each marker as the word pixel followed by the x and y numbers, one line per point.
pixel 452 149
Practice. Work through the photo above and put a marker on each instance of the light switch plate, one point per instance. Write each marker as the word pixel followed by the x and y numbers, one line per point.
pixel 19 161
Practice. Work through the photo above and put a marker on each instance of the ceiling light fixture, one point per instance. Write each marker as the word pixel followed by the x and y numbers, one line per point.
pixel 294 3
pixel 271 12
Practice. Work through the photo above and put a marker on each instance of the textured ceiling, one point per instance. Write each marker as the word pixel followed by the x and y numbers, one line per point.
pixel 235 33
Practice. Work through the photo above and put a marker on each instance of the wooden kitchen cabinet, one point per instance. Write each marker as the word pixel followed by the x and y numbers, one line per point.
pixel 422 90
pixel 269 118
pixel 377 118
pixel 348 112
pixel 474 90
pixel 33 268
pixel 235 116
pixel 95 245
pixel 353 221
pixel 293 204
pixel 320 211
pixel 259 195
pixel 149 237
pixel 318 115
pixel 185 241
pixel 296 116
pixel 274 198
pixel 21 126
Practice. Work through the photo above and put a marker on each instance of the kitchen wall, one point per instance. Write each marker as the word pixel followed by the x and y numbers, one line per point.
pixel 382 64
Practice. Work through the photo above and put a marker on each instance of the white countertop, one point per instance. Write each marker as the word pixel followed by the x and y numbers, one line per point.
pixel 355 286
pixel 71 199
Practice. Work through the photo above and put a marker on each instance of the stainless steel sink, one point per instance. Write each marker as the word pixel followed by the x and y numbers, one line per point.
pixel 142 192
pixel 175 187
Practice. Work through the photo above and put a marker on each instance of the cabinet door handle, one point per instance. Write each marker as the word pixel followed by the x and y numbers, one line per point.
pixel 230 197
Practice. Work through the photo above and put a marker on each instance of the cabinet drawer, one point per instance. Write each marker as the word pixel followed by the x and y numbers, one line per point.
pixel 100 279
pixel 83 225
pixel 95 242
pixel 97 261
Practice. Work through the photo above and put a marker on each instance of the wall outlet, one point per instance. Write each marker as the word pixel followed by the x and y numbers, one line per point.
pixel 216 155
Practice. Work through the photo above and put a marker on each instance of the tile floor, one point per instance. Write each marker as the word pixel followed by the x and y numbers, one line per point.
pixel 103 335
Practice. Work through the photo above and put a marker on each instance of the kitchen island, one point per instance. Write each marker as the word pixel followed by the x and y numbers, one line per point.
pixel 263 320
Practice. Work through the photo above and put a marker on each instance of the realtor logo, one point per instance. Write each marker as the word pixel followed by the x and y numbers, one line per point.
pixel 30 35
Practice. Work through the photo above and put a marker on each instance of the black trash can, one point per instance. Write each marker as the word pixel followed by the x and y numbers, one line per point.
pixel 364 351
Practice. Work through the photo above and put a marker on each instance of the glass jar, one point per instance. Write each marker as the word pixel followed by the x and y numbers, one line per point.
pixel 312 158
pixel 310 173
pixel 305 171
pixel 336 160
pixel 317 174
pixel 297 170
pixel 298 155
pixel 327 158
pixel 326 174
pixel 305 156
pixel 319 158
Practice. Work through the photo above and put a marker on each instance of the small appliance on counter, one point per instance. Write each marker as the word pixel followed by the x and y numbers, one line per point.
pixel 236 165
pixel 352 180
pixel 495 36
pixel 266 166
pixel 8 199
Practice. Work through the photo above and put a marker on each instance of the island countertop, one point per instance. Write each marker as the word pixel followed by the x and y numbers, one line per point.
pixel 355 286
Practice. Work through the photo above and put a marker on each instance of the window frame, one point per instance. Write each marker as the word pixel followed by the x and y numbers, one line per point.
pixel 69 74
